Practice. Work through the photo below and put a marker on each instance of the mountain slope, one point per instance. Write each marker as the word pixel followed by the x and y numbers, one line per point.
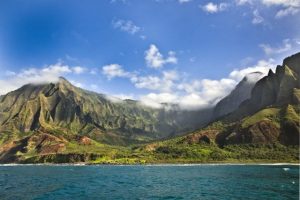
pixel 240 93
pixel 61 108
pixel 266 126
pixel 271 114
pixel 276 89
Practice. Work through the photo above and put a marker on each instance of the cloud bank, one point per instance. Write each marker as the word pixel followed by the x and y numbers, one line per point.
pixel 173 88
pixel 47 74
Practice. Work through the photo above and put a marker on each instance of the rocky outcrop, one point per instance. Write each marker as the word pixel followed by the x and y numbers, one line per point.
pixel 39 143
pixel 262 132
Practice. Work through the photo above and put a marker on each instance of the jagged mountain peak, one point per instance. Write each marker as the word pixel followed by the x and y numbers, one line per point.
pixel 239 94
pixel 253 76
pixel 276 89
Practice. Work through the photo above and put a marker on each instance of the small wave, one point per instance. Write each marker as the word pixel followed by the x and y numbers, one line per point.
pixel 280 164
pixel 286 169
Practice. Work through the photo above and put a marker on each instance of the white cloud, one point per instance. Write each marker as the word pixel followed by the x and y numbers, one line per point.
pixel 193 101
pixel 210 7
pixel 77 84
pixel 115 70
pixel 209 91
pixel 257 18
pixel 148 82
pixel 214 8
pixel 171 87
pixel 170 75
pixel 287 11
pixel 155 99
pixel 190 87
pixel 126 26
pixel 262 66
pixel 268 49
pixel 118 98
pixel 78 69
pixel 286 3
pixel 113 99
pixel 124 96
pixel 288 7
pixel 55 69
pixel 243 2
pixel 164 83
pixel 155 59
pixel 184 1
pixel 282 8
pixel 46 74
pixel 197 94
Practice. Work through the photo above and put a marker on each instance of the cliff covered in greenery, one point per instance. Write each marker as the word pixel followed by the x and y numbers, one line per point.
pixel 60 123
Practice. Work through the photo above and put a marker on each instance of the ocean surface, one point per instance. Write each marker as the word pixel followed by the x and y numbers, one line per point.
pixel 149 182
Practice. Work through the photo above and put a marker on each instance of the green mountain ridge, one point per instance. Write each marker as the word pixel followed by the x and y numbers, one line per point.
pixel 61 123
pixel 61 107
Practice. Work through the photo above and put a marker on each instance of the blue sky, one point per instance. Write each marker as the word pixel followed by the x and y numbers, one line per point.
pixel 190 52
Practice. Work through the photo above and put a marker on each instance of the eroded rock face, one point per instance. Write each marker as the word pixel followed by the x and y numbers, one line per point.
pixel 263 132
pixel 83 140
pixel 202 137
pixel 46 144
pixel 39 143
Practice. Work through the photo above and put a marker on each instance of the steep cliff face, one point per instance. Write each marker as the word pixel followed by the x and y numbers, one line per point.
pixel 61 107
pixel 240 93
pixel 276 89
pixel 272 112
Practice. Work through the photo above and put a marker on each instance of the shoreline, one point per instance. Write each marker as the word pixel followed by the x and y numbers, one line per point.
pixel 153 164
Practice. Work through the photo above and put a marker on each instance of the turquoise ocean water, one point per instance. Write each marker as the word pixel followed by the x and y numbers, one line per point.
pixel 149 182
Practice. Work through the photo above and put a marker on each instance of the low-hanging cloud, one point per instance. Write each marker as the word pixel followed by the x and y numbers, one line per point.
pixel 172 88
pixel 47 74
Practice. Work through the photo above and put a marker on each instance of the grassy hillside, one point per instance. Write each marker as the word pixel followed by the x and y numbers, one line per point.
pixel 218 142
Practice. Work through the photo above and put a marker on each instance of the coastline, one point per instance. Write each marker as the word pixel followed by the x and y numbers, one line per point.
pixel 156 164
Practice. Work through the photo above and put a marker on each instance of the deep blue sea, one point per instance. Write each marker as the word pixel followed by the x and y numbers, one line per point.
pixel 149 182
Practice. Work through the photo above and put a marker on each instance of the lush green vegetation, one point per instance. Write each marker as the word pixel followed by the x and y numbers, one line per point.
pixel 270 114
pixel 170 151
